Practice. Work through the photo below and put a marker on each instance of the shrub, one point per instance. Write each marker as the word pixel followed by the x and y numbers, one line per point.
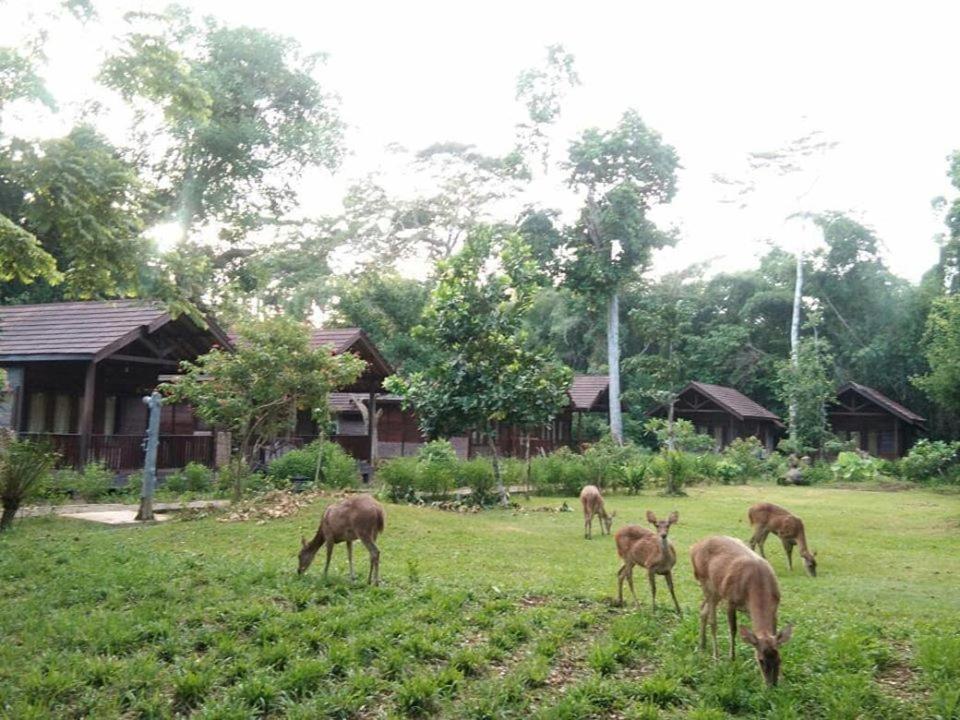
pixel 635 475
pixel 399 475
pixel 685 436
pixel 93 483
pixel 477 474
pixel 193 478
pixel 605 460
pixel 337 468
pixel 562 472
pixel 436 462
pixel 852 467
pixel 23 467
pixel 437 451
pixel 746 454
pixel 673 469
pixel 928 460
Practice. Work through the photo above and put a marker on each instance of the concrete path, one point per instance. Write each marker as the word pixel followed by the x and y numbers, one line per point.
pixel 95 511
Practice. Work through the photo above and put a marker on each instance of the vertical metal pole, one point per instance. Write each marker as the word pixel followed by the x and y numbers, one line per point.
pixel 150 444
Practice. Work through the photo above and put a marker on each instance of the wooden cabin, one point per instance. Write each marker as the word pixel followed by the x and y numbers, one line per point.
pixel 725 414
pixel 875 423
pixel 77 373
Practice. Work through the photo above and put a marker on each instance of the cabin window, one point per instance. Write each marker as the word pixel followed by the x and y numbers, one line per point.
pixel 885 442
pixel 872 442
pixel 62 411
pixel 109 414
pixel 37 413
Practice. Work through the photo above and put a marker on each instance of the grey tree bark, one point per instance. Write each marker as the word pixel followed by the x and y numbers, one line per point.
pixel 613 362
pixel 795 338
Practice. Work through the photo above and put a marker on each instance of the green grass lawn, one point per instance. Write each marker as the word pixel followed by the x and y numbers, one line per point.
pixel 499 614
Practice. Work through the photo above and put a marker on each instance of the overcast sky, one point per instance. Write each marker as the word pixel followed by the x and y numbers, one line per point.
pixel 717 80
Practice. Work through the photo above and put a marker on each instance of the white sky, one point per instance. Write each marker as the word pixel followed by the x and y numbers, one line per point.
pixel 717 80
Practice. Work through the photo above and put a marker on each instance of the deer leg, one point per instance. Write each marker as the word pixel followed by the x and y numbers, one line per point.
pixel 760 541
pixel 653 589
pixel 703 625
pixel 620 579
pixel 326 566
pixel 374 561
pixel 669 579
pixel 588 526
pixel 732 621
pixel 713 631
pixel 788 548
pixel 629 574
pixel 755 539
pixel 353 577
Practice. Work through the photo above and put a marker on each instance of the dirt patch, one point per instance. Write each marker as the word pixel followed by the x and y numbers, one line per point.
pixel 882 486
pixel 528 601
pixel 272 505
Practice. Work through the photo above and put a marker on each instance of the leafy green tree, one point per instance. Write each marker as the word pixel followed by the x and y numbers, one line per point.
pixel 85 206
pixel 388 307
pixel 941 342
pixel 808 384
pixel 256 390
pixel 482 371
pixel 542 90
pixel 623 173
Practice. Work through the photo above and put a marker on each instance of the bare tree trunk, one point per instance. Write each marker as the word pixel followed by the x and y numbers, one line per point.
pixel 10 508
pixel 671 442
pixel 795 339
pixel 613 362
pixel 498 476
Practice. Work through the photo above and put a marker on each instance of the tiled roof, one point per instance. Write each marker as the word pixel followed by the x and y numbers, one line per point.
pixel 340 339
pixel 733 401
pixel 878 398
pixel 585 390
pixel 73 328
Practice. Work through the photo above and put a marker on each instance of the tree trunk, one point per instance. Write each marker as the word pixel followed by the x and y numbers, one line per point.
pixel 318 473
pixel 671 441
pixel 613 362
pixel 10 508
pixel 527 459
pixel 795 340
pixel 145 512
pixel 497 475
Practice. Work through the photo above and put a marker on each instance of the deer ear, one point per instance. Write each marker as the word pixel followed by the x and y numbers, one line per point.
pixel 785 634
pixel 674 517
pixel 651 518
pixel 748 636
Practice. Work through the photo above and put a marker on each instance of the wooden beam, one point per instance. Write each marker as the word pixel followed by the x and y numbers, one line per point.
pixel 86 411
pixel 145 360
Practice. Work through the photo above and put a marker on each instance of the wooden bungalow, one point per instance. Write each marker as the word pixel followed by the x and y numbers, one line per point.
pixel 725 414
pixel 877 425
pixel 77 373
pixel 354 405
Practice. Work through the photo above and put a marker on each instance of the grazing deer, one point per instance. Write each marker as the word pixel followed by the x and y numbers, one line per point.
pixel 638 546
pixel 592 502
pixel 767 518
pixel 728 570
pixel 356 518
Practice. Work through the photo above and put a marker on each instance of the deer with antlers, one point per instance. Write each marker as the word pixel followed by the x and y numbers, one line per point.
pixel 356 518
pixel 768 518
pixel 729 571
pixel 592 502
pixel 639 546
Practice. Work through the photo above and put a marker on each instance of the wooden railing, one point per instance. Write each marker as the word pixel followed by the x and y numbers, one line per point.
pixel 125 452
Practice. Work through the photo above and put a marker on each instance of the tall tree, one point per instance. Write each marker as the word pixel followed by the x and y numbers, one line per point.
pixel 623 173
pixel 482 373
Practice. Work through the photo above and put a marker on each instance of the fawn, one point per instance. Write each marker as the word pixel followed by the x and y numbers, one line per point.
pixel 767 518
pixel 356 518
pixel 638 546
pixel 592 502
pixel 728 570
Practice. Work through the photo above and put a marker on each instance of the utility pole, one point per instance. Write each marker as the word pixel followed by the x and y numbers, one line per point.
pixel 150 444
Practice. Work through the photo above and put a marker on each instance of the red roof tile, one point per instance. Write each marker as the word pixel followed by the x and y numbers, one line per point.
pixel 733 401
pixel 73 328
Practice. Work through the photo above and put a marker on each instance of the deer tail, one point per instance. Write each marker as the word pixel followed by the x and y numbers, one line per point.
pixel 380 521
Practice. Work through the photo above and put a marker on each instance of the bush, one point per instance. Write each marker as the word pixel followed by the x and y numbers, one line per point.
pixel 93 483
pixel 477 474
pixel 561 472
pixel 685 436
pixel 604 461
pixel 23 468
pixel 399 475
pixel 929 460
pixel 437 452
pixel 746 455
pixel 852 467
pixel 674 469
pixel 436 466
pixel 337 468
pixel 193 478
pixel 635 476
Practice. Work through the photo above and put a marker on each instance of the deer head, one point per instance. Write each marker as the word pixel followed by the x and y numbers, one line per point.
pixel 767 650
pixel 607 521
pixel 810 563
pixel 662 526
pixel 307 554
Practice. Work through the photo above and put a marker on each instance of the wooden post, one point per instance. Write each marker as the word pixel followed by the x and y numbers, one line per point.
pixel 86 412
pixel 372 427
pixel 151 442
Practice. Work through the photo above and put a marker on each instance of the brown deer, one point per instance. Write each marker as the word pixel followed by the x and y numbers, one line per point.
pixel 592 502
pixel 730 571
pixel 767 518
pixel 356 518
pixel 638 546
